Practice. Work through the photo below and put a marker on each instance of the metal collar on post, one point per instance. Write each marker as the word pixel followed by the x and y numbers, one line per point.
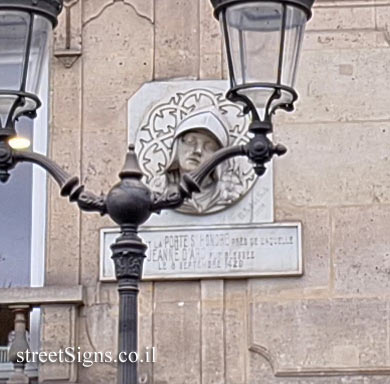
pixel 47 8
pixel 219 5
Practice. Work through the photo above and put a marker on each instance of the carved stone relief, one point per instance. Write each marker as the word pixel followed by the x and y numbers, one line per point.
pixel 176 126
pixel 182 132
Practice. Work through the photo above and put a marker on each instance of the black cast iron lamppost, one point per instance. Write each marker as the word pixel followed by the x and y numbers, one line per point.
pixel 263 40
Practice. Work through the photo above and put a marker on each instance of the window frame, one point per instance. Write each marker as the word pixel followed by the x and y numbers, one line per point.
pixel 38 219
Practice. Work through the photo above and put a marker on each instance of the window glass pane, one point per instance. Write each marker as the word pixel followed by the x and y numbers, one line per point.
pixel 22 228
pixel 22 213
pixel 6 104
pixel 40 48
pixel 14 27
pixel 13 35
pixel 254 34
pixel 295 26
pixel 16 219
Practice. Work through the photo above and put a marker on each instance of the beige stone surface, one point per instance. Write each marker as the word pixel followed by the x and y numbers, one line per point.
pixel 382 18
pixel 212 332
pixel 236 347
pixel 346 39
pixel 261 373
pixel 109 45
pixel 341 14
pixel 125 47
pixel 210 40
pixel 176 39
pixel 146 330
pixel 361 250
pixel 177 322
pixel 43 295
pixel 359 96
pixel 340 167
pixel 98 330
pixel 144 8
pixel 327 327
pixel 94 8
pixel 89 263
pixel 63 219
pixel 316 251
pixel 325 336
pixel 68 34
pixel 341 35
pixel 58 331
pixel 65 148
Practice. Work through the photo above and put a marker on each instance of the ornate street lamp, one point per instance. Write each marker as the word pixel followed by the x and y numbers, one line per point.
pixel 263 40
pixel 25 37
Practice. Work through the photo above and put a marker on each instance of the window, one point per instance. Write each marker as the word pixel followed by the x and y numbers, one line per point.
pixel 23 225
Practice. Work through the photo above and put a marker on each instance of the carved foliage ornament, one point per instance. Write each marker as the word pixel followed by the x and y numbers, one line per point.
pixel 128 265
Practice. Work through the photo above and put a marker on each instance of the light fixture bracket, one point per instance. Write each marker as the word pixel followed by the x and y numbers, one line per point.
pixel 47 8
pixel 305 5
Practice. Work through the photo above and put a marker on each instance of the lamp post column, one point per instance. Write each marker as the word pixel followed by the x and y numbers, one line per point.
pixel 128 255
pixel 129 205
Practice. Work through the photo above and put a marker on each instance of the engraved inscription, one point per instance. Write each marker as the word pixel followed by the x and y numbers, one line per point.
pixel 248 250
pixel 208 251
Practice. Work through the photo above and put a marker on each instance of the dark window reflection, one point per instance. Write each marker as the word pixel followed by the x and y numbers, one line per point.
pixel 16 221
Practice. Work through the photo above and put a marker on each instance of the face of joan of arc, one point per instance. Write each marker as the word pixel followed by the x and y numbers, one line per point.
pixel 194 148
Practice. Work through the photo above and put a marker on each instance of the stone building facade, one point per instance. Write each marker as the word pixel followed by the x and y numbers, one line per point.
pixel 330 326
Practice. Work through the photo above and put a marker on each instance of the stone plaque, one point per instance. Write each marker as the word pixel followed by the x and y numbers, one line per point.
pixel 176 126
pixel 213 252
pixel 224 231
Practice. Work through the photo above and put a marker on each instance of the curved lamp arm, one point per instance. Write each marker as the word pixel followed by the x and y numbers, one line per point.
pixel 58 174
pixel 219 157
pixel 70 186
pixel 191 183
pixel 259 150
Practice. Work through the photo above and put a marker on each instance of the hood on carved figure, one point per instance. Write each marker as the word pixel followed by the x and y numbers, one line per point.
pixel 201 121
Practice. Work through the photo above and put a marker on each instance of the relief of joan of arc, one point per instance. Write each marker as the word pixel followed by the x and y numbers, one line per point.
pixel 195 140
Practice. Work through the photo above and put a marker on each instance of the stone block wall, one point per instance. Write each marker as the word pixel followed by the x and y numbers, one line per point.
pixel 329 326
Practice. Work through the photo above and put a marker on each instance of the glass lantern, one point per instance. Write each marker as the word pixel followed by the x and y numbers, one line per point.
pixel 263 41
pixel 25 38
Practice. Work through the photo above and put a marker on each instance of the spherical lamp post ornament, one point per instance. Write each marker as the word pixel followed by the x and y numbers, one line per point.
pixel 25 38
pixel 263 41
